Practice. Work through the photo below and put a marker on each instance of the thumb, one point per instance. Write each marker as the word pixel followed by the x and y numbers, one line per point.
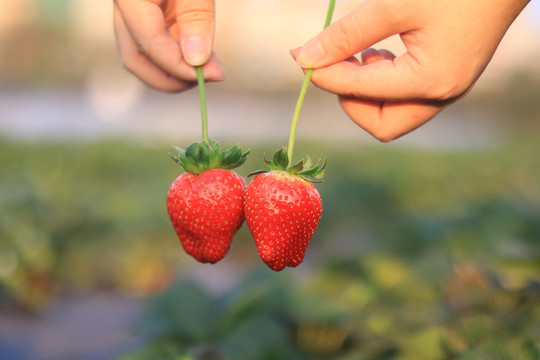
pixel 369 23
pixel 196 26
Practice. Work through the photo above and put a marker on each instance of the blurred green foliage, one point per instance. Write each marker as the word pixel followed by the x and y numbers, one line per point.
pixel 419 255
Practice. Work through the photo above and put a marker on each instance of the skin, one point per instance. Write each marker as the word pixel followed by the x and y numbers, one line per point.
pixel 448 45
pixel 161 41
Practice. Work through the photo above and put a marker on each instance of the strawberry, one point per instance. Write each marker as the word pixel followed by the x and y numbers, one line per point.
pixel 205 203
pixel 283 209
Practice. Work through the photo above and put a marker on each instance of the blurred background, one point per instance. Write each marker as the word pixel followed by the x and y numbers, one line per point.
pixel 429 247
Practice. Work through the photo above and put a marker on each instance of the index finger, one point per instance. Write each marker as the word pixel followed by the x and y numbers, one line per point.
pixel 146 24
pixel 371 22
pixel 140 65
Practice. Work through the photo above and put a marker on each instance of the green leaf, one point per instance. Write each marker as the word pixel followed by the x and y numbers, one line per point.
pixel 281 160
pixel 258 172
pixel 270 163
pixel 216 156
pixel 314 174
pixel 244 156
pixel 199 157
pixel 190 165
pixel 192 151
pixel 261 344
pixel 297 167
pixel 307 163
pixel 204 154
pixel 175 158
pixel 179 151
pixel 184 310
pixel 232 156
pixel 314 170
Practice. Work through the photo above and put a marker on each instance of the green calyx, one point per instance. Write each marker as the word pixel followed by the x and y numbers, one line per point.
pixel 303 169
pixel 199 157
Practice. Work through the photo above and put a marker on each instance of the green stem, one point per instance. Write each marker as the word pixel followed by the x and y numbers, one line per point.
pixel 329 13
pixel 303 90
pixel 202 95
pixel 296 115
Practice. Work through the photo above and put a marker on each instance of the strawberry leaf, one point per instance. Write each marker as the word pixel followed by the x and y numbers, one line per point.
pixel 308 162
pixel 296 168
pixel 199 157
pixel 270 164
pixel 303 169
pixel 281 160
pixel 258 172
pixel 204 154
pixel 192 151
pixel 232 155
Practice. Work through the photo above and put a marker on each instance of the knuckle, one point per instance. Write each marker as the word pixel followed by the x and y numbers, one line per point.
pixel 384 138
pixel 383 134
pixel 195 12
pixel 445 87
pixel 152 45
pixel 379 129
pixel 195 17
pixel 436 80
pixel 338 39
pixel 444 91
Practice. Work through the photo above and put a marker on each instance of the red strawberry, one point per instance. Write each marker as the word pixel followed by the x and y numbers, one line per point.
pixel 205 204
pixel 283 210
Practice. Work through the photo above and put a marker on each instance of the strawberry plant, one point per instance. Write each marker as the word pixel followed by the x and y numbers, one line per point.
pixel 205 203
pixel 282 207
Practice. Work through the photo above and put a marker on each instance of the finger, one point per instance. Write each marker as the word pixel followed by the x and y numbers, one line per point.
pixel 368 56
pixel 388 120
pixel 392 79
pixel 386 54
pixel 294 53
pixel 371 22
pixel 138 64
pixel 212 70
pixel 146 24
pixel 196 27
pixel 371 56
pixel 401 78
pixel 397 79
pixel 341 78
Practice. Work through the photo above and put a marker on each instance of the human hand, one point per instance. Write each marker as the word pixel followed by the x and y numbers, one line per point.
pixel 449 43
pixel 161 41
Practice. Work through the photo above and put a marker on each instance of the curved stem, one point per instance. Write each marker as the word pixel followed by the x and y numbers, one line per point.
pixel 329 13
pixel 303 90
pixel 202 95
pixel 296 115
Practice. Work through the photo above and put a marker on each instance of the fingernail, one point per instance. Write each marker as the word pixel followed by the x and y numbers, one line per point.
pixel 196 50
pixel 222 76
pixel 311 55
